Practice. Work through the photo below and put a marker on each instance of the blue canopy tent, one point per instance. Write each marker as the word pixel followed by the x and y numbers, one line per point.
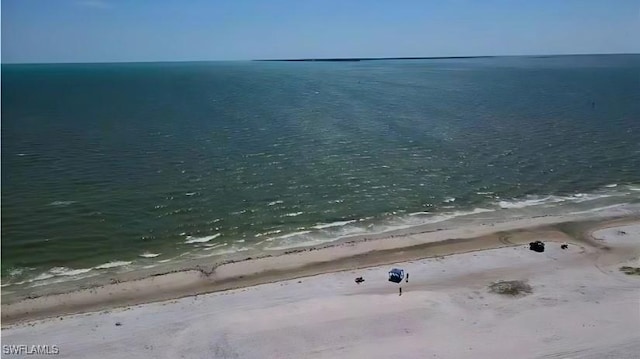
pixel 396 275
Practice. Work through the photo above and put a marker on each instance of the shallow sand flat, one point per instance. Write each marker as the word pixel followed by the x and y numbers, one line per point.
pixel 581 307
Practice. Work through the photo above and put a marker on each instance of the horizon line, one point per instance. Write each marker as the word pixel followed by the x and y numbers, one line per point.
pixel 319 59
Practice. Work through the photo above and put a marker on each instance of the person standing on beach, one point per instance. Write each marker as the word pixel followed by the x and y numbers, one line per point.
pixel 407 277
pixel 400 290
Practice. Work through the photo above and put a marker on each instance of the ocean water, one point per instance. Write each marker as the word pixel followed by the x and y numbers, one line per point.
pixel 116 167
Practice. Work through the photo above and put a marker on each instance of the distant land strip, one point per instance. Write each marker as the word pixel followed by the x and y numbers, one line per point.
pixel 379 58
pixel 345 59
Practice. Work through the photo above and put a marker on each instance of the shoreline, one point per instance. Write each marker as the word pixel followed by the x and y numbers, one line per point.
pixel 26 281
pixel 347 254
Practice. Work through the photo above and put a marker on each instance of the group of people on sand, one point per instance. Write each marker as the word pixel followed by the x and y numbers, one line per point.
pixel 361 279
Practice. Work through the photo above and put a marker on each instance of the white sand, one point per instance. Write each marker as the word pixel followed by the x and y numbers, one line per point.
pixel 582 306
pixel 619 236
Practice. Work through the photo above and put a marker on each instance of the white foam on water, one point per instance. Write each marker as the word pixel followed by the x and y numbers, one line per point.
pixel 584 197
pixel 532 201
pixel 441 217
pixel 43 276
pixel 292 214
pixel 189 194
pixel 289 241
pixel 164 260
pixel 347 231
pixel 274 203
pixel 449 200
pixel 537 201
pixel 58 280
pixel 112 264
pixel 420 214
pixel 25 281
pixel 612 185
pixel 415 219
pixel 18 283
pixel 17 271
pixel 61 203
pixel 63 271
pixel 333 224
pixel 268 233
pixel 301 233
pixel 149 255
pixel 191 239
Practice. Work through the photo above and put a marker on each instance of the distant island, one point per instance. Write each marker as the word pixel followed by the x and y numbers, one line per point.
pixel 377 58
pixel 354 59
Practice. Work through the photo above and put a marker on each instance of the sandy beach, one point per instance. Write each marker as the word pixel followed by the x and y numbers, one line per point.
pixel 580 305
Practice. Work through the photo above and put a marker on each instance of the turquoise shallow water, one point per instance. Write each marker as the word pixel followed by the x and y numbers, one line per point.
pixel 117 165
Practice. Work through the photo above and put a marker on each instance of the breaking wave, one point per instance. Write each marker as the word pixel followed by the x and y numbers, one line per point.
pixel 149 255
pixel 333 224
pixel 112 264
pixel 205 239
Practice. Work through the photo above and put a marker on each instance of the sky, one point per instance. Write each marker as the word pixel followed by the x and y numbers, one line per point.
pixel 44 31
